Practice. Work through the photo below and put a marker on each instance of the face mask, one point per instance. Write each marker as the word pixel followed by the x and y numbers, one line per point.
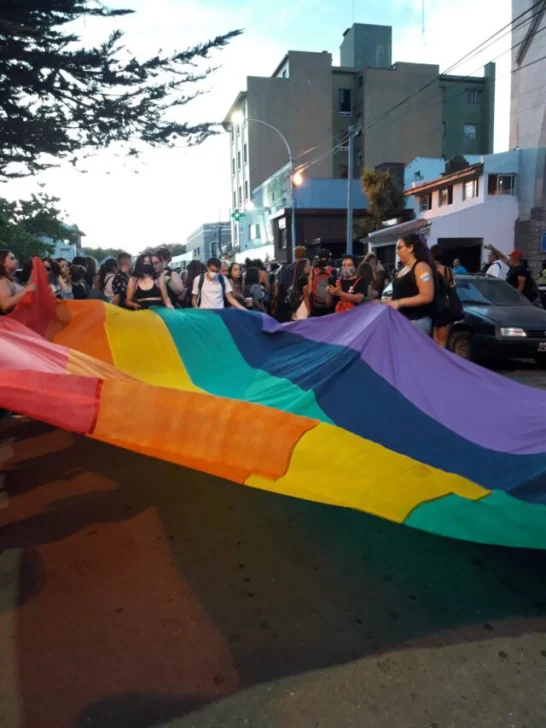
pixel 348 272
pixel 147 270
pixel 213 275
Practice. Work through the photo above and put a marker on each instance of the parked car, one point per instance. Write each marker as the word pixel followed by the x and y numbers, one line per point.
pixel 498 322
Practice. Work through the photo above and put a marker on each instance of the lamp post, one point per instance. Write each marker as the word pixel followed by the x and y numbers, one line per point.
pixel 295 179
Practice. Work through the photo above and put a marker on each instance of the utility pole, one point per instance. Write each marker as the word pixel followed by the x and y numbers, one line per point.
pixel 349 192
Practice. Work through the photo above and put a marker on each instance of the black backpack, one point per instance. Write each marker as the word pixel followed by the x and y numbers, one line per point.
pixel 293 299
pixel 447 304
pixel 222 282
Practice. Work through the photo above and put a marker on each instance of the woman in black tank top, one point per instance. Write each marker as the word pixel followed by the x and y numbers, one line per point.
pixel 413 286
pixel 145 288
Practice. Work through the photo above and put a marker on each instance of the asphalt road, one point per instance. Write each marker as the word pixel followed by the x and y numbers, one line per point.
pixel 136 593
pixel 525 372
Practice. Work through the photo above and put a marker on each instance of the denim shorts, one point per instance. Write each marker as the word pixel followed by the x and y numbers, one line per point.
pixel 424 325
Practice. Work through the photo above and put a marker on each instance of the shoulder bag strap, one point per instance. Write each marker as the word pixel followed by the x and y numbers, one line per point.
pixel 201 283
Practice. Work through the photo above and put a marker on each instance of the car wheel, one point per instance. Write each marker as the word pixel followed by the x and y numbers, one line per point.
pixel 541 360
pixel 460 344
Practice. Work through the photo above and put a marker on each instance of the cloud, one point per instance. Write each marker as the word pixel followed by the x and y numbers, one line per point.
pixel 176 191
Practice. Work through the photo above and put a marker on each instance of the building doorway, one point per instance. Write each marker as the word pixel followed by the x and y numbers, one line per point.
pixel 467 250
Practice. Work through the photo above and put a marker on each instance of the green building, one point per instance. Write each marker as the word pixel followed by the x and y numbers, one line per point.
pixel 468 109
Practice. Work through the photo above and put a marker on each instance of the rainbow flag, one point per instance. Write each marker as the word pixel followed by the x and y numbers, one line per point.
pixel 357 410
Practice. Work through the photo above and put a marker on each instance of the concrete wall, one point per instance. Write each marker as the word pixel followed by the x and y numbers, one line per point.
pixel 456 112
pixel 300 106
pixel 413 131
pixel 367 46
pixel 528 132
pixel 493 220
pixel 341 79
pixel 528 111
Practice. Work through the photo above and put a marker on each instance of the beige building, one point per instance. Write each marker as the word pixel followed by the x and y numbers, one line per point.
pixel 313 103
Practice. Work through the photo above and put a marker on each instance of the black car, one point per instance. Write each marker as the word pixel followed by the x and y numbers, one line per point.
pixel 498 323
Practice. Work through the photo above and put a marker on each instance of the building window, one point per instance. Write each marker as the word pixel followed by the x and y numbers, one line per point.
pixel 234 200
pixel 445 196
pixel 240 196
pixel 444 129
pixel 470 131
pixel 360 81
pixel 246 189
pixel 502 184
pixel 245 153
pixel 471 96
pixel 344 101
pixel 425 203
pixel 233 165
pixel 470 189
pixel 443 91
pixel 238 160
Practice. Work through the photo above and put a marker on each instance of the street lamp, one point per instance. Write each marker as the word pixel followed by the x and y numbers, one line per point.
pixel 296 178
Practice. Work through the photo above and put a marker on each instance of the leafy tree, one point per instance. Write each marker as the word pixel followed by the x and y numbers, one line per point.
pixel 175 248
pixel 102 253
pixel 25 223
pixel 60 100
pixel 385 200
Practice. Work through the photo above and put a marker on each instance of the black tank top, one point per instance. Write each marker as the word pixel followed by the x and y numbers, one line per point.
pixel 406 287
pixel 145 299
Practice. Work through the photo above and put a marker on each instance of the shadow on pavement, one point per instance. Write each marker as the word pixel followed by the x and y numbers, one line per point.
pixel 290 586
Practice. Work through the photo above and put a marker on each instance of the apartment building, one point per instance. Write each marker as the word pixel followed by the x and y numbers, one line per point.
pixel 313 103
pixel 210 239
pixel 528 125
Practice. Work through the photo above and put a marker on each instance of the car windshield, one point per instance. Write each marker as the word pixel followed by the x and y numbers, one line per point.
pixel 489 292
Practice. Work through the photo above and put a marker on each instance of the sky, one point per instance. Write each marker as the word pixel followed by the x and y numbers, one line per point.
pixel 166 194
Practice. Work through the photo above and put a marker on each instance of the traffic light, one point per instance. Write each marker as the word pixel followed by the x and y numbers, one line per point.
pixel 237 215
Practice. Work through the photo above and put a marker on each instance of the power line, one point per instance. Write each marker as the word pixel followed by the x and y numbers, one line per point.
pixel 342 136
pixel 480 48
pixel 440 102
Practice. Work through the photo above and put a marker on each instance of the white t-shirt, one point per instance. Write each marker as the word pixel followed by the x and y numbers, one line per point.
pixel 211 292
pixel 497 270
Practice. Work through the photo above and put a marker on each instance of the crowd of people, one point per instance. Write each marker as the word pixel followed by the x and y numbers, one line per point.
pixel 423 288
